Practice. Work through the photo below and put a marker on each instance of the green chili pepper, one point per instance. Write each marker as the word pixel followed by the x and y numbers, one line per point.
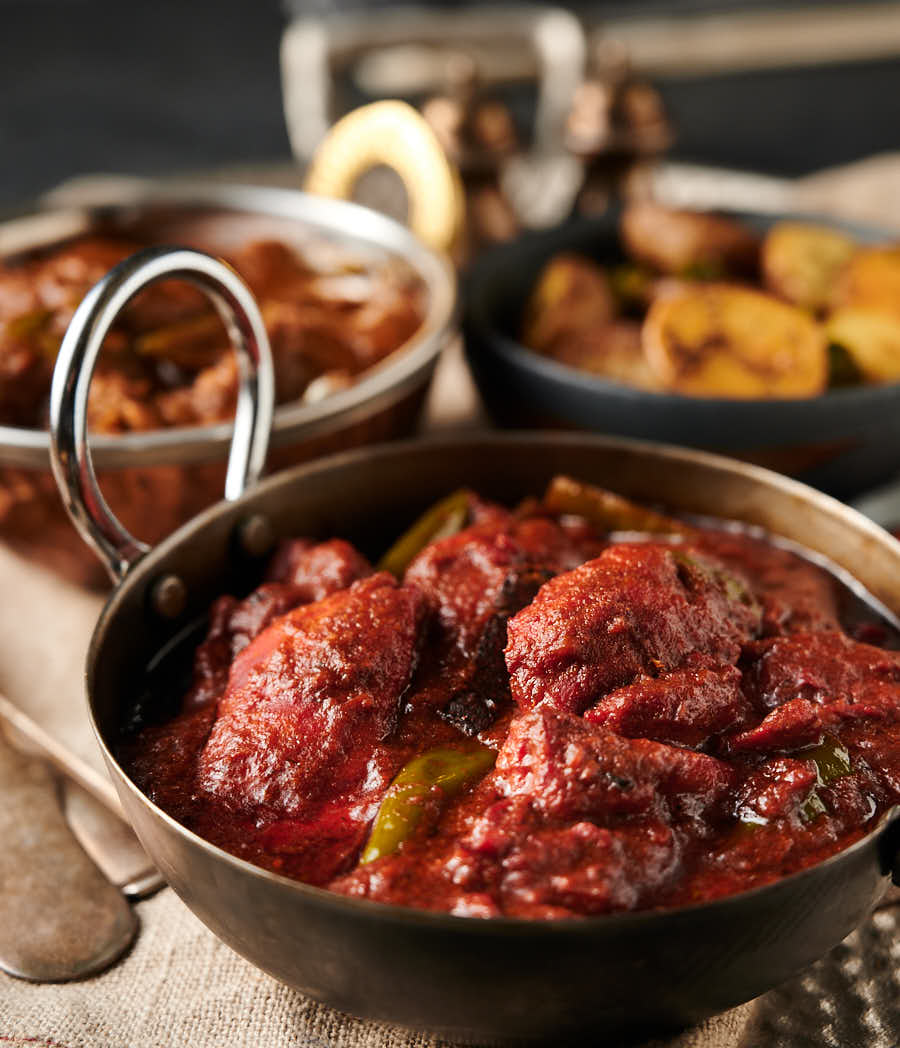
pixel 606 509
pixel 32 330
pixel 27 325
pixel 832 761
pixel 831 758
pixel 430 778
pixel 704 269
pixel 445 518
pixel 735 589
pixel 812 807
pixel 632 284
pixel 187 342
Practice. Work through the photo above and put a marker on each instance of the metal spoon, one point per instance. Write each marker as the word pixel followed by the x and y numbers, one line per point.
pixel 91 807
pixel 60 918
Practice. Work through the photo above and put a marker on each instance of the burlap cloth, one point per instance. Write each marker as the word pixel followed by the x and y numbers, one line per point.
pixel 180 986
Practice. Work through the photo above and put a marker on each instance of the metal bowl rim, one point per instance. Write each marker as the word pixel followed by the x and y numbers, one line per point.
pixel 406 914
pixel 339 220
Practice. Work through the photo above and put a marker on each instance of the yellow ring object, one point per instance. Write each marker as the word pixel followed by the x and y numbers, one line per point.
pixel 394 134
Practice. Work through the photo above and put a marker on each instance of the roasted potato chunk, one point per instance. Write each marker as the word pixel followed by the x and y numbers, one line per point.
pixel 871 340
pixel 572 294
pixel 800 262
pixel 614 351
pixel 870 280
pixel 719 340
pixel 688 243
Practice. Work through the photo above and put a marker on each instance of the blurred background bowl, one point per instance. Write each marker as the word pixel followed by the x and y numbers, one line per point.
pixel 843 441
pixel 154 480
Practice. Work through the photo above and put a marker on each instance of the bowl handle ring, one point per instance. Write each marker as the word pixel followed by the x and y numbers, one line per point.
pixel 70 452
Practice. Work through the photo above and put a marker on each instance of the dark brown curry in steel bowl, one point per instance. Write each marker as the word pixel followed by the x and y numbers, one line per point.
pixel 572 707
pixel 168 361
pixel 331 315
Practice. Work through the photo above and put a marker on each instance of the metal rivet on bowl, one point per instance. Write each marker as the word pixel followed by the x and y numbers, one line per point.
pixel 169 597
pixel 256 536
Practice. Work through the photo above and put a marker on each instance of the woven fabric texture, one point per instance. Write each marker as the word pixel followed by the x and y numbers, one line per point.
pixel 180 986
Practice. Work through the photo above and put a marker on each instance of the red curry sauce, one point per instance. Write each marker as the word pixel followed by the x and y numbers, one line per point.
pixel 572 723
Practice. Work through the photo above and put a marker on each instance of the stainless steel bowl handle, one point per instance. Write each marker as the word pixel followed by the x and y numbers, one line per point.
pixel 70 452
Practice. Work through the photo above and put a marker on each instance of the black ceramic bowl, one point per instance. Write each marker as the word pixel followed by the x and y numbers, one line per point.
pixel 843 441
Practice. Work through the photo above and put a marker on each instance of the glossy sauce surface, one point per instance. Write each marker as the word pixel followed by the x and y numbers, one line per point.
pixel 537 718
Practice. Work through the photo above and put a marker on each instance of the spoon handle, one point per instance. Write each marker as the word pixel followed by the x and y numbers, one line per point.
pixel 26 734
pixel 110 842
pixel 100 828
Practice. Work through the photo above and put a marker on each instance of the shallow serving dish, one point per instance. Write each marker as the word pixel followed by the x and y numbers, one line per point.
pixel 476 979
pixel 843 441
pixel 383 403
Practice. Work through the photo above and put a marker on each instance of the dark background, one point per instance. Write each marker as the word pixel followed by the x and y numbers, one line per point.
pixel 151 86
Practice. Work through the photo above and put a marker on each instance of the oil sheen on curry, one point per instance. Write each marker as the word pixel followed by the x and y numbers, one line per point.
pixel 578 706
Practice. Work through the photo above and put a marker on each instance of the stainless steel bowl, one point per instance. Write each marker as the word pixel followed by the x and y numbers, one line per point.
pixel 382 404
pixel 476 979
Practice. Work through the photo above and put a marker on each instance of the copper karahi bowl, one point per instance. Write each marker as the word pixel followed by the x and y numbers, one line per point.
pixel 498 979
